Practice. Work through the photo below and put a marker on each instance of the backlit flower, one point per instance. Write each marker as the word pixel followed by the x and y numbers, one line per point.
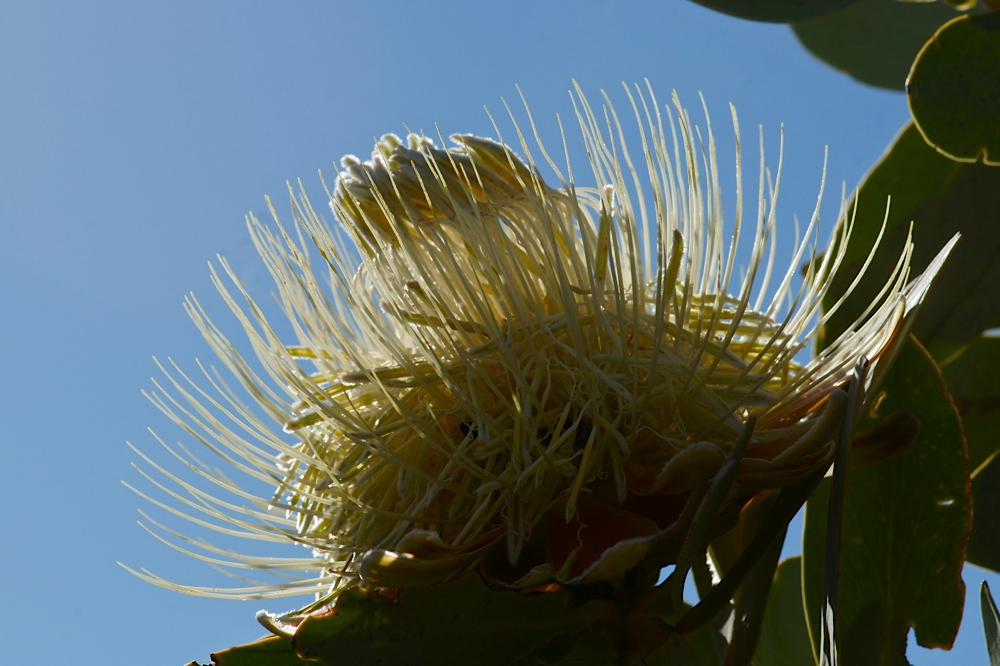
pixel 533 379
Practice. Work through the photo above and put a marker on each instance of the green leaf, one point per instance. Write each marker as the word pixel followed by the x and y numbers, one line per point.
pixel 458 623
pixel 751 603
pixel 592 648
pixel 941 197
pixel 906 522
pixel 784 638
pixel 971 378
pixel 954 89
pixel 776 11
pixel 991 623
pixel 875 41
pixel 681 650
pixel 984 542
pixel 836 510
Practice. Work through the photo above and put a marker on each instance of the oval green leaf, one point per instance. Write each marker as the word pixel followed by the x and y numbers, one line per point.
pixel 776 11
pixel 906 523
pixel 874 41
pixel 954 89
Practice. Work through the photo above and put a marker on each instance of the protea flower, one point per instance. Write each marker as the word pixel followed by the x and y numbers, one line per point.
pixel 530 379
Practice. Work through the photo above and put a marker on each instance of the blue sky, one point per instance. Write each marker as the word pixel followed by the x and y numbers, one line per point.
pixel 134 137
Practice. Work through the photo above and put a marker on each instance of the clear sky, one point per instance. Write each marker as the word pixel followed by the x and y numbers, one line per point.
pixel 135 136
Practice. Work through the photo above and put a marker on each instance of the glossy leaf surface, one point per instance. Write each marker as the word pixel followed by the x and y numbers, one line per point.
pixel 907 520
pixel 954 89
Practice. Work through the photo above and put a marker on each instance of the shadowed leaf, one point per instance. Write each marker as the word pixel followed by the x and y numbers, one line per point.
pixel 751 602
pixel 906 523
pixel 692 650
pixel 459 623
pixel 971 378
pixel 954 89
pixel 784 638
pixel 890 436
pixel 776 11
pixel 941 197
pixel 874 41
pixel 984 542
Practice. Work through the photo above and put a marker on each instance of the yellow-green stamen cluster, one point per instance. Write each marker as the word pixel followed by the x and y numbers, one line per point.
pixel 477 350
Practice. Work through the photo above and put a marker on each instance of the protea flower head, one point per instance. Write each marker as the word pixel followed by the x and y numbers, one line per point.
pixel 533 379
